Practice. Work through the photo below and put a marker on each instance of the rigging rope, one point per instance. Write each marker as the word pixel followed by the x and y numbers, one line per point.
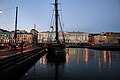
pixel 62 30
pixel 52 20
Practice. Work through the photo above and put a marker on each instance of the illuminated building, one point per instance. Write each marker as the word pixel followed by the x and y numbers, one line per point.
pixel 34 35
pixel 8 37
pixel 70 37
pixel 108 38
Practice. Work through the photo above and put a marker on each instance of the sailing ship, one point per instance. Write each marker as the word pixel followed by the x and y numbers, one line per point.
pixel 57 46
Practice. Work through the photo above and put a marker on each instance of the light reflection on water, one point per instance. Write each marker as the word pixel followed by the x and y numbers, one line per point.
pixel 80 64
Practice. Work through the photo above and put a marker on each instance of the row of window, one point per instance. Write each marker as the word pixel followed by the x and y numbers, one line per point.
pixel 21 35
pixel 4 35
pixel 10 35
pixel 24 38
pixel 6 38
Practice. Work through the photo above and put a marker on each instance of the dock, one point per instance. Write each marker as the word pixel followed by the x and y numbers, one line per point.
pixel 13 67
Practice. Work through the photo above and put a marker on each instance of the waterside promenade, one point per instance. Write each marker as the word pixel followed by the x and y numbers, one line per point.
pixel 14 63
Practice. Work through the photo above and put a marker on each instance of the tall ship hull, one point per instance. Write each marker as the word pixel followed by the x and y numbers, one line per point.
pixel 56 48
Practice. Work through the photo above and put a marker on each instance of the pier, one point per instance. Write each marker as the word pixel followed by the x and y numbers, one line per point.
pixel 13 67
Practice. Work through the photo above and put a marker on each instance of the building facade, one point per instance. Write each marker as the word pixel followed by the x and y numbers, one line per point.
pixel 9 37
pixel 113 38
pixel 100 39
pixel 107 38
pixel 34 36
pixel 70 37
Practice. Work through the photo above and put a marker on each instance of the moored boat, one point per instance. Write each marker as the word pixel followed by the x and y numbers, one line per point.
pixel 56 47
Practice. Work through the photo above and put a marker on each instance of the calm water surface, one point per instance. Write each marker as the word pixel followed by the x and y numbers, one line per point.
pixel 77 64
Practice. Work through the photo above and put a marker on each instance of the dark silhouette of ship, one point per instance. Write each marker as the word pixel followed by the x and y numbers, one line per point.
pixel 57 47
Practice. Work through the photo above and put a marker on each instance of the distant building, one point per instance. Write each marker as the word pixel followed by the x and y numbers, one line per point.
pixel 34 36
pixel 107 38
pixel 21 31
pixel 2 30
pixel 77 37
pixel 113 37
pixel 100 39
pixel 9 37
pixel 25 37
pixel 91 37
pixel 43 36
pixel 70 37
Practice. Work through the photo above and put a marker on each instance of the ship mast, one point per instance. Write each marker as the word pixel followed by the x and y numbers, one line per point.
pixel 56 20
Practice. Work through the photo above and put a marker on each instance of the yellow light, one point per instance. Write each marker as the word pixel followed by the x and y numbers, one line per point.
pixel 105 56
pixel 86 55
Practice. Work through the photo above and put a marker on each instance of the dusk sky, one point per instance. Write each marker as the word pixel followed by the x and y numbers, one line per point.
pixel 78 15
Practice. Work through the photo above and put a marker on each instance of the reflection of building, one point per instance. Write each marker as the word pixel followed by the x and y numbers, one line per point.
pixel 42 60
pixel 67 55
pixel 71 37
pixel 86 55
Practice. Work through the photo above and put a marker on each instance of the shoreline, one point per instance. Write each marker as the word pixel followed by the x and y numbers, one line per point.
pixel 108 48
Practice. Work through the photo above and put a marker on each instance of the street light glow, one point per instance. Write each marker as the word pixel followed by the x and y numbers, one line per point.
pixel 0 11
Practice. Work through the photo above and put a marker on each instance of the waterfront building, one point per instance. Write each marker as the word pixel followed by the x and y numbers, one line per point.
pixel 51 35
pixel 107 38
pixel 113 38
pixel 100 39
pixel 25 37
pixel 70 37
pixel 77 37
pixel 22 35
pixel 2 30
pixel 34 36
pixel 43 36
pixel 7 37
pixel 91 37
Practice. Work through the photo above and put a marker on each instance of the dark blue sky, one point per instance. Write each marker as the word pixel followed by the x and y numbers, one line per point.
pixel 78 15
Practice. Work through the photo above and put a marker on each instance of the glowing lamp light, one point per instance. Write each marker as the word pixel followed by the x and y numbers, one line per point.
pixel 0 11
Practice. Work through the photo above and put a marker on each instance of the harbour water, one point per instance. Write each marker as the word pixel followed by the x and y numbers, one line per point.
pixel 77 64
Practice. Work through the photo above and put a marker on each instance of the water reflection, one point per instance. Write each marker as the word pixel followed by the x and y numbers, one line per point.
pixel 42 60
pixel 110 59
pixel 77 64
pixel 105 57
pixel 58 62
pixel 88 55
